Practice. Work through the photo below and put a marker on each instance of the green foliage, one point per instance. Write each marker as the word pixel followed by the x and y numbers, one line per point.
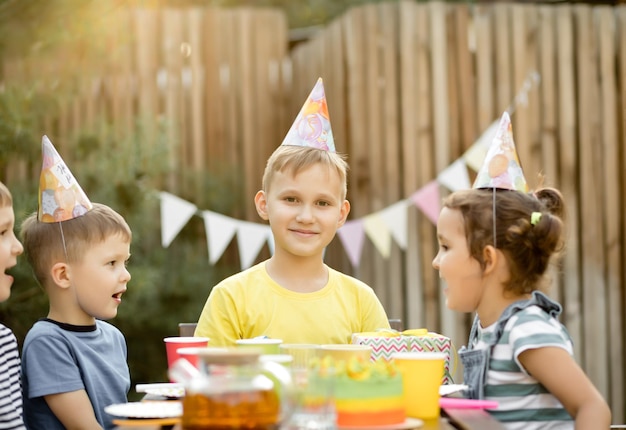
pixel 168 286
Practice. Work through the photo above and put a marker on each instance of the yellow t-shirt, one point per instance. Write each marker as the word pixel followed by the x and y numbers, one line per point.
pixel 250 304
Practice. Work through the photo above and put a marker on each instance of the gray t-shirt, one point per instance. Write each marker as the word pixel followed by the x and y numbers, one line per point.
pixel 59 358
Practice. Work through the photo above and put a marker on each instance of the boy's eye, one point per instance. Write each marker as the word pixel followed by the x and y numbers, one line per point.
pixel 322 203
pixel 290 199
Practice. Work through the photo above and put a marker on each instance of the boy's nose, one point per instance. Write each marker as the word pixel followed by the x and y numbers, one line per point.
pixel 305 214
pixel 17 248
pixel 436 262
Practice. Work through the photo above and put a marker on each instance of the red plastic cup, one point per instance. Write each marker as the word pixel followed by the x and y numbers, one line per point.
pixel 173 344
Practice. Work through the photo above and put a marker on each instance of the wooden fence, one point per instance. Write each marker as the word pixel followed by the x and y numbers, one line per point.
pixel 410 87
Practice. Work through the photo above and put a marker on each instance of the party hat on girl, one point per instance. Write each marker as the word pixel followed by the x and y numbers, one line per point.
pixel 60 196
pixel 312 125
pixel 501 168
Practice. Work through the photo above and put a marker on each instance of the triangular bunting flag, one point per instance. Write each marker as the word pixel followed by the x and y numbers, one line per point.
pixel 175 213
pixel 395 217
pixel 455 176
pixel 379 234
pixel 352 235
pixel 427 199
pixel 476 153
pixel 220 230
pixel 250 239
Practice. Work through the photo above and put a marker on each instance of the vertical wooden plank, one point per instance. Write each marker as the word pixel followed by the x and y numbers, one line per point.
pixel 465 75
pixel 519 72
pixel 410 131
pixel 441 141
pixel 216 75
pixel 425 156
pixel 594 286
pixel 356 87
pixel 621 54
pixel 568 161
pixel 197 90
pixel 604 20
pixel 485 74
pixel 374 159
pixel 548 110
pixel 245 63
pixel 504 27
pixel 172 31
pixel 388 13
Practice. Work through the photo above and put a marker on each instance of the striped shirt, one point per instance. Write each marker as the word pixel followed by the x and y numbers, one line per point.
pixel 10 382
pixel 523 402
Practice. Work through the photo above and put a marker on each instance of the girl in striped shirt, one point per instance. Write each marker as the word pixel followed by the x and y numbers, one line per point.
pixel 494 248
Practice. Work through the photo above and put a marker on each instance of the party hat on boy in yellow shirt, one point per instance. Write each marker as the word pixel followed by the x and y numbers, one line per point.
pixel 60 196
pixel 312 125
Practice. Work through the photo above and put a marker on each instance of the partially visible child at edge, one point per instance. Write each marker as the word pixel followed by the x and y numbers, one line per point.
pixel 10 382
pixel 518 353
pixel 74 363
pixel 294 295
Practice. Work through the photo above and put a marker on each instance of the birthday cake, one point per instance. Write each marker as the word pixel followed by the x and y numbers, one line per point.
pixel 368 394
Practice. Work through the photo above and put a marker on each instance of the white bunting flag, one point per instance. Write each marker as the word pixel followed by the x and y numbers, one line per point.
pixel 175 213
pixel 395 217
pixel 250 239
pixel 455 176
pixel 220 230
pixel 475 155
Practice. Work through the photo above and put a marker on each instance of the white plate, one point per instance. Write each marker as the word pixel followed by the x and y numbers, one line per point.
pixel 172 392
pixel 151 409
pixel 409 423
pixel 446 390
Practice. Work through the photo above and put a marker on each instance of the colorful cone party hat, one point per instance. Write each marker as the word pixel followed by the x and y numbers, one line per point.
pixel 501 168
pixel 312 125
pixel 60 196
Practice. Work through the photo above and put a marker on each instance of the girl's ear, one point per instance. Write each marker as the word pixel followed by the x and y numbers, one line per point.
pixel 260 202
pixel 60 275
pixel 490 257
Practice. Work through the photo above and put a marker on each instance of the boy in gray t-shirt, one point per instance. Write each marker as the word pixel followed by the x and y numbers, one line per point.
pixel 73 362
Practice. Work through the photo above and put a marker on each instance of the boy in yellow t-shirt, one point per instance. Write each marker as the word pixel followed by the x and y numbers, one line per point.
pixel 294 295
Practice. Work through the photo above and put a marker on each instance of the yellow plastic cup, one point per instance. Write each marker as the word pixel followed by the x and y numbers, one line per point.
pixel 422 373
pixel 344 352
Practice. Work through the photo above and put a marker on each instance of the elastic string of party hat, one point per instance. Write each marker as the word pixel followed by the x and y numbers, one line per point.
pixel 495 242
pixel 63 241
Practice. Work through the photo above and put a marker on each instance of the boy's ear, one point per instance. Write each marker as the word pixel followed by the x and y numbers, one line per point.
pixel 60 274
pixel 260 201
pixel 343 214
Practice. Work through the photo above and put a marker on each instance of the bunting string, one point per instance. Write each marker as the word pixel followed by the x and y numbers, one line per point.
pixel 381 227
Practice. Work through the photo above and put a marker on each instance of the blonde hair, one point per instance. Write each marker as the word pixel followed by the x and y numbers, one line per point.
pixel 48 243
pixel 297 158
pixel 529 230
pixel 5 196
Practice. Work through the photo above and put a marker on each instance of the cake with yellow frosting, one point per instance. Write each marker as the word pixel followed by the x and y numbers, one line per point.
pixel 368 393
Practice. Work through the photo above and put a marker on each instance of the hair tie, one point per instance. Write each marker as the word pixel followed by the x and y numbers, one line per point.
pixel 535 217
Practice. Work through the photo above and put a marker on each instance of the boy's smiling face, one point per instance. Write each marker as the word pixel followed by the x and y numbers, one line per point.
pixel 304 210
pixel 10 248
